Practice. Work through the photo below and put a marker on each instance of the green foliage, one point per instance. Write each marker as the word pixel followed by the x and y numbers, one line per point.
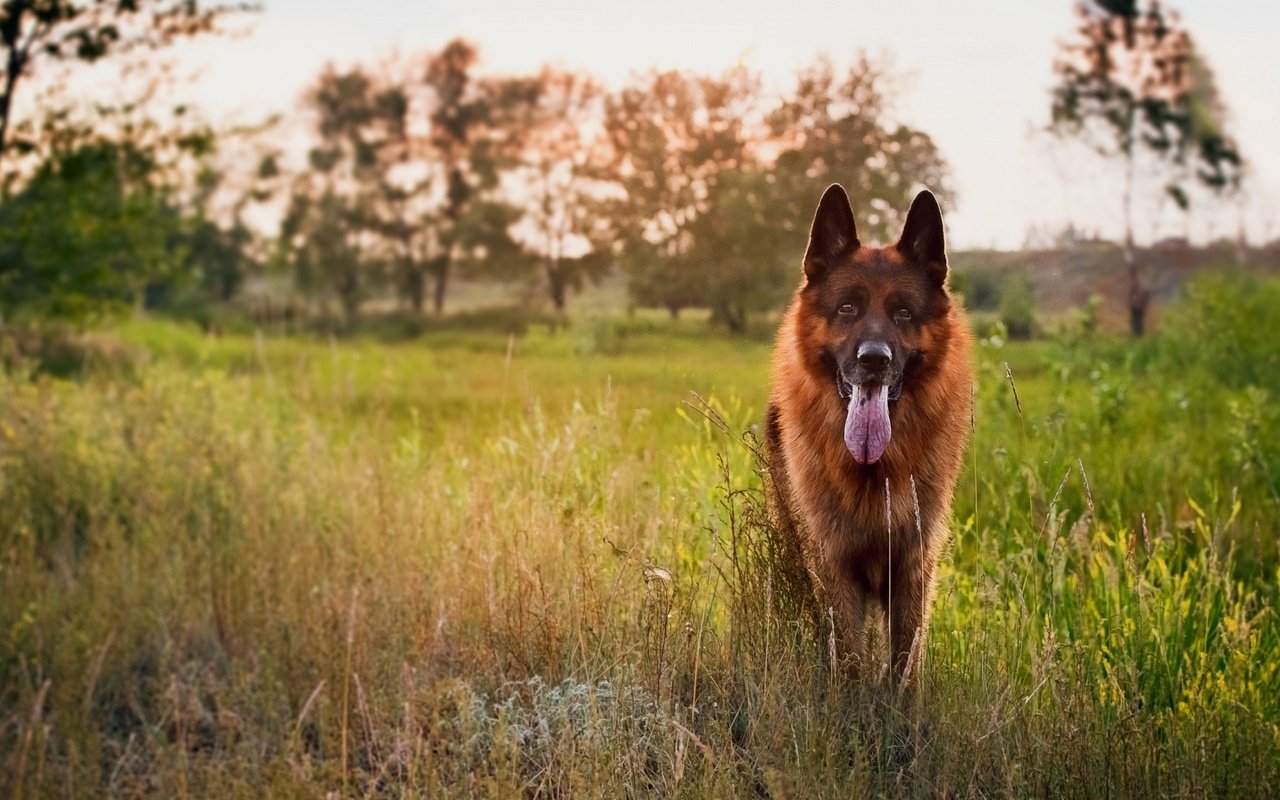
pixel 1132 81
pixel 85 235
pixel 564 227
pixel 1222 329
pixel 328 235
pixel 1086 318
pixel 1221 333
pixel 747 263
pixel 379 208
pixel 1003 300
pixel 320 240
pixel 1017 306
pixel 218 256
pixel 979 287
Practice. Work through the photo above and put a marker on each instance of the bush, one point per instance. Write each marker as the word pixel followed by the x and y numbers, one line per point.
pixel 84 236
pixel 63 353
pixel 1221 340
pixel 1219 329
pixel 1017 306
pixel 980 288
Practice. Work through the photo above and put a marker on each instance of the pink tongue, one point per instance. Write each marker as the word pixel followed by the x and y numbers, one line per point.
pixel 866 428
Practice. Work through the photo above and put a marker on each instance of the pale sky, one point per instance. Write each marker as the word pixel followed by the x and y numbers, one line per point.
pixel 978 76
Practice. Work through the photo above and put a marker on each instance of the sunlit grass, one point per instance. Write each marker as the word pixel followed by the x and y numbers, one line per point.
pixel 473 564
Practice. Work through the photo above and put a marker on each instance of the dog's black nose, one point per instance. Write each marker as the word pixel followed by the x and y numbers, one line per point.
pixel 874 355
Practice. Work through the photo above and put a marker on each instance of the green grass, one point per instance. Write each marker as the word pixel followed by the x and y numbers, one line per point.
pixel 474 565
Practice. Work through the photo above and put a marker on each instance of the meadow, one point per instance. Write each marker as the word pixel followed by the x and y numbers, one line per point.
pixel 477 564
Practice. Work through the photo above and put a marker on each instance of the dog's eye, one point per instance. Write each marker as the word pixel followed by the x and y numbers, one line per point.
pixel 902 315
pixel 846 308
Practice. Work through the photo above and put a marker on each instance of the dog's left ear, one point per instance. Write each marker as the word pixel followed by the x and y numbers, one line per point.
pixel 922 239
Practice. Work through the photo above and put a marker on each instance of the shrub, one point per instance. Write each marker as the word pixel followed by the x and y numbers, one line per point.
pixel 980 288
pixel 1219 330
pixel 1017 306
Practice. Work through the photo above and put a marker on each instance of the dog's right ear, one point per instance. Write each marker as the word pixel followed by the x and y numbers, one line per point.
pixel 833 235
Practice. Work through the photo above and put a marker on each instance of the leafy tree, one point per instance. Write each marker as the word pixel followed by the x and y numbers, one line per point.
pixel 85 235
pixel 1131 85
pixel 672 135
pixel 94 221
pixel 459 122
pixel 403 182
pixel 213 257
pixel 834 127
pixel 713 217
pixel 219 256
pixel 1017 306
pixel 558 170
pixel 319 234
pixel 476 220
pixel 434 200
pixel 34 31
pixel 744 256
pixel 330 233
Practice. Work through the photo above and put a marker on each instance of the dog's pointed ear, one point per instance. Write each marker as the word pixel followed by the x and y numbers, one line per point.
pixel 922 241
pixel 833 234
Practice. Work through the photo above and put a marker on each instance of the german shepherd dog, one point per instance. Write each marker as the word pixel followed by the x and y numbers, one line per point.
pixel 870 413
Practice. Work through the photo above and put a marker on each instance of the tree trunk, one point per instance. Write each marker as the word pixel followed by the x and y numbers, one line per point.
pixel 1139 294
pixel 416 287
pixel 442 282
pixel 350 304
pixel 556 284
pixel 15 63
pixel 734 318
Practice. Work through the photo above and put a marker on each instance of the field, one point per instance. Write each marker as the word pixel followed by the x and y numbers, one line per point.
pixel 475 564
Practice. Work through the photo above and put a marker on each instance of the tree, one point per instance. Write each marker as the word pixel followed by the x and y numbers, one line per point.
pixel 835 129
pixel 213 253
pixel 85 235
pixel 558 170
pixel 330 232
pixel 672 135
pixel 1017 308
pixel 745 257
pixel 458 122
pixel 218 256
pixel 32 31
pixel 718 192
pixel 1132 86
pixel 319 234
pixel 402 184
pixel 93 216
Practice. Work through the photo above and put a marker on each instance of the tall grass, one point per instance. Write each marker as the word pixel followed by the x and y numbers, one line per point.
pixel 478 565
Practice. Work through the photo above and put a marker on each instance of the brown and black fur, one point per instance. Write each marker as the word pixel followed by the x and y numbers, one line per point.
pixel 854 543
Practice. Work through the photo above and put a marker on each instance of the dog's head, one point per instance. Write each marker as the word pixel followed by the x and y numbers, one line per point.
pixel 872 309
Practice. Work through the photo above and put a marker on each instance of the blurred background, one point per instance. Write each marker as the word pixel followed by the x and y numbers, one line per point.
pixel 314 164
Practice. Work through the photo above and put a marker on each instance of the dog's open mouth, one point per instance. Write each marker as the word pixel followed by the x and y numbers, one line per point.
pixel 866 425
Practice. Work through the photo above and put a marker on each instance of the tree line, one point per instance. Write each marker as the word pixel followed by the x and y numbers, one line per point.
pixel 419 171
pixel 698 186
pixel 416 172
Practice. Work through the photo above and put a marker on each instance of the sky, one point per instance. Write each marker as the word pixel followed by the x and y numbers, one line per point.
pixel 976 78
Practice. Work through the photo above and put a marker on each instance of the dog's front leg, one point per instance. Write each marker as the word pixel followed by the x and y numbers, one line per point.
pixel 845 611
pixel 909 616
